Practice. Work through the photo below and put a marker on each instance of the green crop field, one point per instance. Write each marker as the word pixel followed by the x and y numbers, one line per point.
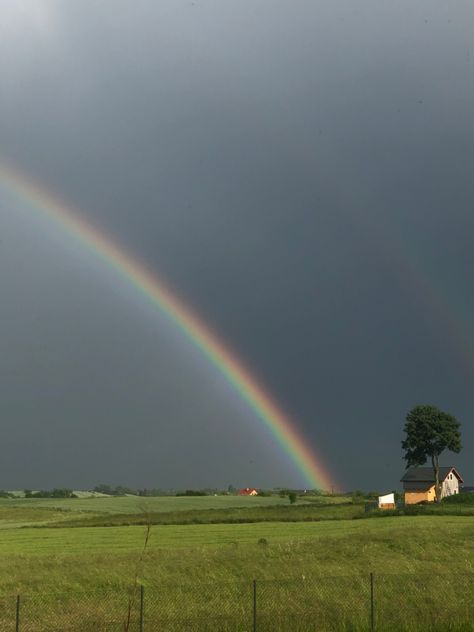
pixel 138 504
pixel 169 510
pixel 311 563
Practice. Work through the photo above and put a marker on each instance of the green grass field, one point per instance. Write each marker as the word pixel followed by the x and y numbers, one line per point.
pixel 138 504
pixel 169 510
pixel 311 563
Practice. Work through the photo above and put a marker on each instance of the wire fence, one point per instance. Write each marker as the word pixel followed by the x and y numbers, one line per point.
pixel 373 603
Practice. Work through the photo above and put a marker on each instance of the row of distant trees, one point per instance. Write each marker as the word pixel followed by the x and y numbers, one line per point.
pixel 122 490
pixel 61 492
pixel 57 492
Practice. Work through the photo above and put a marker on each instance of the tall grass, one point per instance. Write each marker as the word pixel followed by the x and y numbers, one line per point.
pixel 409 603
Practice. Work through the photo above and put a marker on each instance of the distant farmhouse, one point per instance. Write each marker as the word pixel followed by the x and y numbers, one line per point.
pixel 248 491
pixel 419 484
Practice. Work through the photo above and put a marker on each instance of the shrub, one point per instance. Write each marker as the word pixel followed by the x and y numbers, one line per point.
pixel 292 497
pixel 466 499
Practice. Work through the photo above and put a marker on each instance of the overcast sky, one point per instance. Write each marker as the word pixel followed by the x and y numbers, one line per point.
pixel 301 173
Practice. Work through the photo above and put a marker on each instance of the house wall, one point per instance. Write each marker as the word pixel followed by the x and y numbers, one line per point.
pixel 414 492
pixel 450 486
pixel 414 497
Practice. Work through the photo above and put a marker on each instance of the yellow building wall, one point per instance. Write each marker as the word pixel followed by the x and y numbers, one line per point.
pixel 411 498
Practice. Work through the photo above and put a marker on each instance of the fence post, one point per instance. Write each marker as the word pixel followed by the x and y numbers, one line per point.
pixel 254 605
pixel 142 608
pixel 17 617
pixel 372 608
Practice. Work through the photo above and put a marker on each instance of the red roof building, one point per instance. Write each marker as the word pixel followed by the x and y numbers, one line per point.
pixel 248 491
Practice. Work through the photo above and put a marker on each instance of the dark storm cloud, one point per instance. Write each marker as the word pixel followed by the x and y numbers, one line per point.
pixel 301 174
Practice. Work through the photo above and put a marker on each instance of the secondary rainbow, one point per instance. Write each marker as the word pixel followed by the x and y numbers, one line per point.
pixel 315 474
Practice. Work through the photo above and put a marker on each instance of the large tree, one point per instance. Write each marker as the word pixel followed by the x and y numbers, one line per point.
pixel 430 431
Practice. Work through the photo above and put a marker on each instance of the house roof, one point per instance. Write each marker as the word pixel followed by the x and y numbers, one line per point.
pixel 426 474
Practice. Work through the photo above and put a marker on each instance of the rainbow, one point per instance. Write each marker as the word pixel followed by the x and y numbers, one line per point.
pixel 310 466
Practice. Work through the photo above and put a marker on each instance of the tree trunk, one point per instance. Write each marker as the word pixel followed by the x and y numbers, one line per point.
pixel 435 463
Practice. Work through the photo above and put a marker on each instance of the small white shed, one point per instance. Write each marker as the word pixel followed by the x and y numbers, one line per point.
pixel 387 501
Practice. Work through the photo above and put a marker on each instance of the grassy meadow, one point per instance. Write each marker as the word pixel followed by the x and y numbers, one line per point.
pixel 74 562
pixel 139 504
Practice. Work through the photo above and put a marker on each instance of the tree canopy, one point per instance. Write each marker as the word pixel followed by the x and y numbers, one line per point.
pixel 430 431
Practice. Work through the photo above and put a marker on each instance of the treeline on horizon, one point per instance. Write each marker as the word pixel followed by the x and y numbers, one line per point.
pixel 57 492
pixel 123 490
